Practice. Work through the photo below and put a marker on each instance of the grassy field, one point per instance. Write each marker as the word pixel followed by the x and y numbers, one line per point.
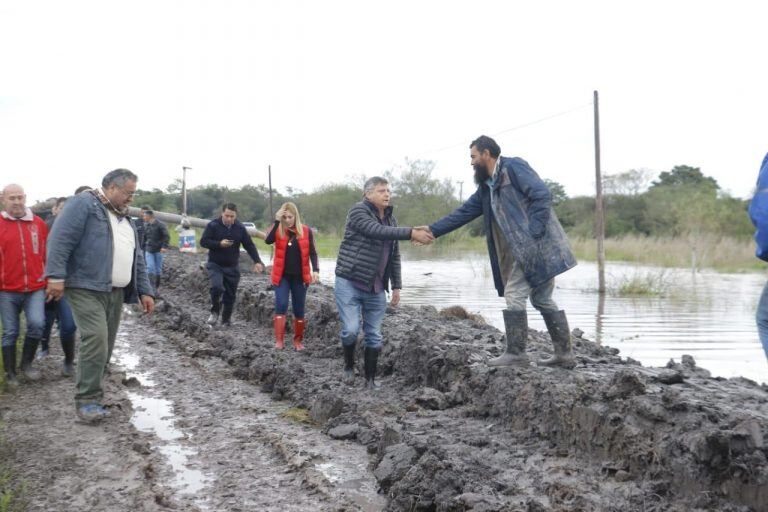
pixel 721 254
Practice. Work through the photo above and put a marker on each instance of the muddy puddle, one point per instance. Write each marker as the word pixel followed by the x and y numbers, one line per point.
pixel 227 445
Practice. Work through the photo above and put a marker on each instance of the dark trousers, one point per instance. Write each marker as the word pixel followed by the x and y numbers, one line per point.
pixel 295 287
pixel 224 281
pixel 61 312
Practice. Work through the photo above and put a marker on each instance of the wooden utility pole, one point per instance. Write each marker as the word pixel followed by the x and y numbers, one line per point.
pixel 599 213
pixel 184 189
pixel 271 211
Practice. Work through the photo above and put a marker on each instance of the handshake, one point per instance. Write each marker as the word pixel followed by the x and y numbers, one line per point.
pixel 421 235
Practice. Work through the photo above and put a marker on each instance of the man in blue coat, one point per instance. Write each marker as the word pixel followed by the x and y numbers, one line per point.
pixel 758 213
pixel 526 244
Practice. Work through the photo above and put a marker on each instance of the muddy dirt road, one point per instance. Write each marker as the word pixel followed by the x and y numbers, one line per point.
pixel 211 419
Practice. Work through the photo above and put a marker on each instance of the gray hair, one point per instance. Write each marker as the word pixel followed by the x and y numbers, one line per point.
pixel 118 177
pixel 373 182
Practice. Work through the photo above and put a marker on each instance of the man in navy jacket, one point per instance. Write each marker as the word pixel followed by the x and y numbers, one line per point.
pixel 526 244
pixel 223 237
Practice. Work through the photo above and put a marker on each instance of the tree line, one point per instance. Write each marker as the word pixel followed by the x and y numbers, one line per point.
pixel 681 202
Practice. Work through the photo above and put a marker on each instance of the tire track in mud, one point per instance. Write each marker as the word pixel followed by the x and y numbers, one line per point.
pixel 239 452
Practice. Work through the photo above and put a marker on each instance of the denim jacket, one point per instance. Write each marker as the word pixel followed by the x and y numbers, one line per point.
pixel 80 249
pixel 522 207
pixel 758 212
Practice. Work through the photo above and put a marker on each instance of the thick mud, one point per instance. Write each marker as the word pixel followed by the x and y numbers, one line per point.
pixel 446 432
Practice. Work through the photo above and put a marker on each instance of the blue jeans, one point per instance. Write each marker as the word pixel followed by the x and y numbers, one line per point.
pixel 154 263
pixel 295 287
pixel 354 303
pixel 11 306
pixel 61 312
pixel 762 319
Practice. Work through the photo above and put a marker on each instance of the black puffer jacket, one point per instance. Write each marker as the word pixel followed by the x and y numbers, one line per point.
pixel 360 251
pixel 155 236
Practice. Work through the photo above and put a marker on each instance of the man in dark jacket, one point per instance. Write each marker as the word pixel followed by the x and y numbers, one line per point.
pixel 223 237
pixel 368 261
pixel 94 254
pixel 526 244
pixel 156 241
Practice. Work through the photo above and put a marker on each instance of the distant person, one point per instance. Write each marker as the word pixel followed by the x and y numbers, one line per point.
pixel 156 240
pixel 22 281
pixel 140 227
pixel 59 311
pixel 94 260
pixel 368 262
pixel 758 212
pixel 526 244
pixel 223 238
pixel 291 273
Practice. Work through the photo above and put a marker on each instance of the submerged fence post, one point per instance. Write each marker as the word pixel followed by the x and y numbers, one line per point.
pixel 599 214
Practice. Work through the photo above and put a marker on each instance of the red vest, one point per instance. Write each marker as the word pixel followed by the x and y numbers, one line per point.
pixel 22 254
pixel 281 245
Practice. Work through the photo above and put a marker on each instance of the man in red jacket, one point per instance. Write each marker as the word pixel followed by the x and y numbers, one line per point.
pixel 22 281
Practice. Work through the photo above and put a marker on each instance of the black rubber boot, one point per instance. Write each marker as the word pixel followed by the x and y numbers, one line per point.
pixel 557 325
pixel 9 365
pixel 68 347
pixel 371 356
pixel 215 309
pixel 349 363
pixel 156 284
pixel 27 356
pixel 516 327
pixel 226 314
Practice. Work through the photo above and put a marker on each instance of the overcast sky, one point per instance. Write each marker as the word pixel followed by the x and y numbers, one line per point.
pixel 324 90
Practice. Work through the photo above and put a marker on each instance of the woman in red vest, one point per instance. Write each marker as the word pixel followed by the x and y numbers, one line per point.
pixel 294 250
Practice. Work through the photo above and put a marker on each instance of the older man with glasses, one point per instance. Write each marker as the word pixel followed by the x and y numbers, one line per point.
pixel 94 256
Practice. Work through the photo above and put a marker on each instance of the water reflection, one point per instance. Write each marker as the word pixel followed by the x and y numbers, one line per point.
pixel 710 315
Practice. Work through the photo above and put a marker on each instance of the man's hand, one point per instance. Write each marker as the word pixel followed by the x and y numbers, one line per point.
pixel 421 235
pixel 54 291
pixel 226 243
pixel 315 277
pixel 147 304
pixel 163 249
pixel 395 298
pixel 258 268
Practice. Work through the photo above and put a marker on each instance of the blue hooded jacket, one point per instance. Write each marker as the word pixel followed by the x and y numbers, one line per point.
pixel 758 211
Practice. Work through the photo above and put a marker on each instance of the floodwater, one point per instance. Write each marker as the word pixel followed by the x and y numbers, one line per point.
pixel 708 315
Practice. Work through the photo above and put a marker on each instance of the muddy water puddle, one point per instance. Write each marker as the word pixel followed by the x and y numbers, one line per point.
pixel 222 438
pixel 155 416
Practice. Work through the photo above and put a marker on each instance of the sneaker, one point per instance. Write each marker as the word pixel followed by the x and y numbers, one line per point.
pixel 31 374
pixel 92 413
pixel 212 319
pixel 42 353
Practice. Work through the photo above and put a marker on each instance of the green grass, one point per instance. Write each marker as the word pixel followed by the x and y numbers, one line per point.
pixel 651 283
pixel 297 415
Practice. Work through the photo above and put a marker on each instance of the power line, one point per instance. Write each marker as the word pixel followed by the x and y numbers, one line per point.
pixel 514 128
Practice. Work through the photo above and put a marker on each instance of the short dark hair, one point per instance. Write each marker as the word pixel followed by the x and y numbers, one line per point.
pixel 61 200
pixel 147 211
pixel 484 142
pixel 118 177
pixel 373 182
pixel 145 207
pixel 82 188
pixel 229 206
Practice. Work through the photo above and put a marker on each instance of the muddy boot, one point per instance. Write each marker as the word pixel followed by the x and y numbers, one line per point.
pixel 27 356
pixel 349 363
pixel 9 365
pixel 68 347
pixel 156 284
pixel 298 333
pixel 214 316
pixel 279 322
pixel 516 325
pixel 371 359
pixel 226 315
pixel 557 325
